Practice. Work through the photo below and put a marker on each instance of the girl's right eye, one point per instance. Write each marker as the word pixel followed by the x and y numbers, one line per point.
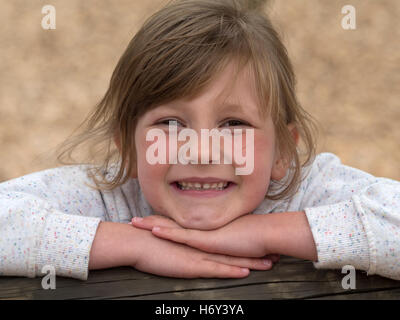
pixel 170 122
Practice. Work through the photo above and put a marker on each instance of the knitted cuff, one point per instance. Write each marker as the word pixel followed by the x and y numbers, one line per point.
pixel 65 244
pixel 339 235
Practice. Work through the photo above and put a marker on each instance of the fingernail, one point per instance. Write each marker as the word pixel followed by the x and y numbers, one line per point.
pixel 129 222
pixel 156 229
pixel 245 270
pixel 266 262
pixel 137 219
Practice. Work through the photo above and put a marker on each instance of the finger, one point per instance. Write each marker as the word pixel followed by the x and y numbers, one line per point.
pixel 250 263
pixel 212 269
pixel 273 257
pixel 202 240
pixel 148 223
pixel 142 223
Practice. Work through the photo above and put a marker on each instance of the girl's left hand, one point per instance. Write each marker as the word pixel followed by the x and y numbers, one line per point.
pixel 243 237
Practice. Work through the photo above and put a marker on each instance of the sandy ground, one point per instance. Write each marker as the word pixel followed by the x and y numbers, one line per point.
pixel 349 80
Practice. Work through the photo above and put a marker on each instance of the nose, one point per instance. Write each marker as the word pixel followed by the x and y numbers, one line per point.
pixel 205 146
pixel 197 147
pixel 213 146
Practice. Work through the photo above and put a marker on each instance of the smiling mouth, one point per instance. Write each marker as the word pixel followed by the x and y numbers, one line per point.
pixel 201 186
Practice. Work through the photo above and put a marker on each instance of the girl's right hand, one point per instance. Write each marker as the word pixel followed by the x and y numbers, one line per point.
pixel 167 258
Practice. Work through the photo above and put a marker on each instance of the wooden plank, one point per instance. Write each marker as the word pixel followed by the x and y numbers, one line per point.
pixel 367 288
pixel 21 287
pixel 121 282
pixel 387 294
pixel 289 279
pixel 262 291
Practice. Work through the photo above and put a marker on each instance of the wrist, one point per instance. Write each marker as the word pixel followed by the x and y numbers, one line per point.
pixel 289 233
pixel 114 245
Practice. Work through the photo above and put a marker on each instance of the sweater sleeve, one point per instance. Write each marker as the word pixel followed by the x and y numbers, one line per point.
pixel 354 218
pixel 48 218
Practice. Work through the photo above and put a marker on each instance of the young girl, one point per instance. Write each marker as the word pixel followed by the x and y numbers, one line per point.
pixel 200 64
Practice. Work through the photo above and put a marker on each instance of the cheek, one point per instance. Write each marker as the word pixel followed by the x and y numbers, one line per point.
pixel 258 182
pixel 151 176
pixel 260 153
pixel 264 153
pixel 156 150
pixel 152 183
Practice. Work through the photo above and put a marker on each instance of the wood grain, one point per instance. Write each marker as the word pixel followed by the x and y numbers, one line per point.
pixel 289 279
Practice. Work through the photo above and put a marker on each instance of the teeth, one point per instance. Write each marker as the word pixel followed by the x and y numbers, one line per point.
pixel 202 186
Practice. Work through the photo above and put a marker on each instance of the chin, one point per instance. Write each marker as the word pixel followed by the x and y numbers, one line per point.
pixel 206 221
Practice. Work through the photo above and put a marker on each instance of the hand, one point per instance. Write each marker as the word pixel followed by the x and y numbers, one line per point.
pixel 167 258
pixel 242 237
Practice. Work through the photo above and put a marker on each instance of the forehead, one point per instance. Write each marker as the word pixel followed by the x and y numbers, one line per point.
pixel 232 88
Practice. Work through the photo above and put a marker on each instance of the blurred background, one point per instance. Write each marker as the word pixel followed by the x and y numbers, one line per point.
pixel 50 79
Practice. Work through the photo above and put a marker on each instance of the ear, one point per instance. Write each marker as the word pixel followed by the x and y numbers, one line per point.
pixel 117 142
pixel 294 133
pixel 281 165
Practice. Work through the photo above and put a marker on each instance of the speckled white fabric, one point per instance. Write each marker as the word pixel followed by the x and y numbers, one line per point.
pixel 50 218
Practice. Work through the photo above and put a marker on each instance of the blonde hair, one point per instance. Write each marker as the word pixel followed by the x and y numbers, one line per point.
pixel 175 54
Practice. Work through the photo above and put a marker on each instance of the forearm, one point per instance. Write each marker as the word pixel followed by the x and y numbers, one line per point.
pixel 289 234
pixel 114 245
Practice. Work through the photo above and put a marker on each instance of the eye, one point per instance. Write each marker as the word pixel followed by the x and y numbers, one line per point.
pixel 234 123
pixel 170 122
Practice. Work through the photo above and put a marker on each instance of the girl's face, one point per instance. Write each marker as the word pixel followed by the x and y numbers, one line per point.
pixel 222 104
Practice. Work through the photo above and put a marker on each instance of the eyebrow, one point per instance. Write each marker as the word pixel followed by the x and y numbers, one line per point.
pixel 242 109
pixel 226 106
pixel 232 107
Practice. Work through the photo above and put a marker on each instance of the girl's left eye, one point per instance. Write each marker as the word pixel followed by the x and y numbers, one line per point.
pixel 234 123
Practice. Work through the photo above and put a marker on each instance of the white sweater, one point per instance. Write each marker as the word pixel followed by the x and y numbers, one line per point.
pixel 51 217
